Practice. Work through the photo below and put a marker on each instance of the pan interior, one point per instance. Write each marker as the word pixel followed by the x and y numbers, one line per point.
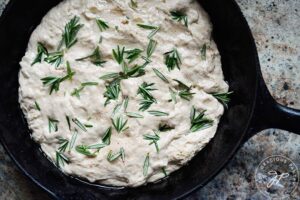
pixel 237 50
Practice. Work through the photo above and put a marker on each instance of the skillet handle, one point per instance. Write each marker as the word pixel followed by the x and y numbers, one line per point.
pixel 270 114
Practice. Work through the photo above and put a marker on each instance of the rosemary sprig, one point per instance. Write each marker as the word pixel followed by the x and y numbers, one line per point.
pixel 184 90
pixel 53 125
pixel 119 124
pixel 151 48
pixel 95 58
pixel 83 149
pixel 41 52
pixel 114 156
pixel 148 99
pixel 145 89
pixel 186 94
pixel 79 124
pixel 223 98
pixel 153 140
pixel 37 106
pixel 146 165
pixel 133 54
pixel 61 159
pixel 203 52
pixel 199 121
pixel 73 140
pixel 118 54
pixel 102 24
pixel 54 82
pixel 180 17
pixel 160 75
pixel 145 104
pixel 158 113
pixel 134 115
pixel 76 91
pixel 55 58
pixel 172 59
pixel 107 136
pixel 63 144
pixel 70 32
pixel 154 29
pixel 112 92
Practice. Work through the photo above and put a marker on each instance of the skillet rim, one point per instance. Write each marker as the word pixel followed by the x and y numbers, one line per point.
pixel 221 166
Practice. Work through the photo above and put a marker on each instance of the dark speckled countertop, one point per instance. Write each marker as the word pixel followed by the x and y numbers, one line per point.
pixel 275 25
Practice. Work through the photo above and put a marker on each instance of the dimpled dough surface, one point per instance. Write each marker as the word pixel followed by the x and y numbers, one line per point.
pixel 177 146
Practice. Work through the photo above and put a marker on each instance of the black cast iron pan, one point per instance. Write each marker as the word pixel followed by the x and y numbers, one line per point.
pixel 251 109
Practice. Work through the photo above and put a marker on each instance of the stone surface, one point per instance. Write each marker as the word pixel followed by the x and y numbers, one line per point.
pixel 275 25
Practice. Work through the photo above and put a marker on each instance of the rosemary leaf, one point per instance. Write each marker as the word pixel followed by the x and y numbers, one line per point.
pixel 112 92
pixel 71 30
pixel 153 140
pixel 158 113
pixel 199 121
pixel 223 98
pixel 154 29
pixel 160 75
pixel 102 24
pixel 145 104
pixel 37 106
pixel 73 140
pixel 55 58
pixel 119 124
pixel 68 121
pixel 118 54
pixel 172 60
pixel 110 76
pixel 97 146
pixel 79 124
pixel 133 54
pixel 146 165
pixel 134 115
pixel 107 136
pixel 53 125
pixel 151 48
pixel 85 151
pixel 61 159
pixel 63 144
pixel 95 58
pixel 112 157
pixel 126 101
pixel 203 52
pixel 180 17
pixel 41 52
pixel 122 152
pixel 54 82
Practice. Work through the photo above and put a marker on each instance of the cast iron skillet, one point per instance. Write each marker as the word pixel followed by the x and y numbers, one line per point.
pixel 251 109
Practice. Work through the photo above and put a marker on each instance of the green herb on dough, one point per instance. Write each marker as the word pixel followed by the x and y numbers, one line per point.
pixel 199 121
